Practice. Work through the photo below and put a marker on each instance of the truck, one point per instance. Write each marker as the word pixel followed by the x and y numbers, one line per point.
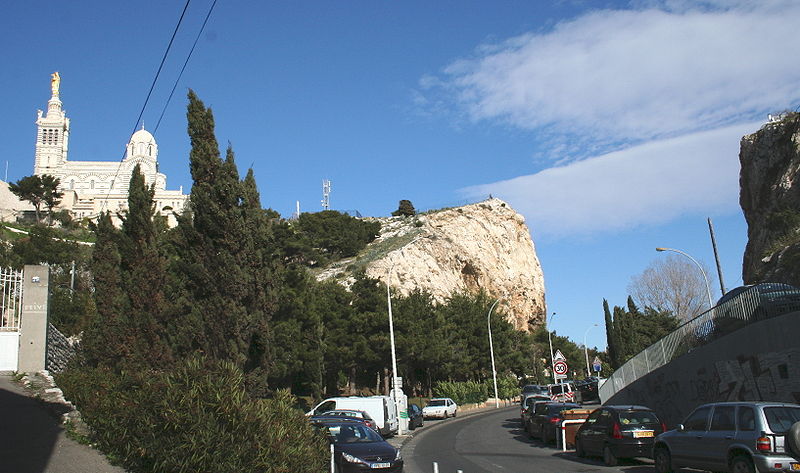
pixel 380 408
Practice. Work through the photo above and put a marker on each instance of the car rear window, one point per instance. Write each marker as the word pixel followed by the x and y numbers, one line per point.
pixel 634 418
pixel 780 419
pixel 556 408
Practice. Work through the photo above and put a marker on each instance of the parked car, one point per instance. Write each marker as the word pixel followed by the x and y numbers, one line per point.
pixel 561 392
pixel 756 302
pixel 544 419
pixel 527 406
pixel 441 407
pixel 357 448
pixel 740 437
pixel 415 416
pixel 363 415
pixel 381 408
pixel 618 432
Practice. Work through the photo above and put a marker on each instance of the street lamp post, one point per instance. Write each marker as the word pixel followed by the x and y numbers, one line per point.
pixel 491 351
pixel 397 391
pixel 702 271
pixel 586 349
pixel 550 339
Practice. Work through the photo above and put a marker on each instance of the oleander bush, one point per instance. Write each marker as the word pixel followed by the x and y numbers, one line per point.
pixel 462 392
pixel 195 418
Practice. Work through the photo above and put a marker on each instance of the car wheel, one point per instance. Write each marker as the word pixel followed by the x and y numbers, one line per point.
pixel 579 448
pixel 608 457
pixel 455 412
pixel 742 464
pixel 663 460
pixel 793 439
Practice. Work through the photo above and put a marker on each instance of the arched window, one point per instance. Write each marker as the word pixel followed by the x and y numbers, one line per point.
pixel 71 184
pixel 91 184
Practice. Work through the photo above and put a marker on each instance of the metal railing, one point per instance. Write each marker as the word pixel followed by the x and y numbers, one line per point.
pixel 11 301
pixel 751 305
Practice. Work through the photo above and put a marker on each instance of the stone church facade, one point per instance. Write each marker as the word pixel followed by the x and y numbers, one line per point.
pixel 91 187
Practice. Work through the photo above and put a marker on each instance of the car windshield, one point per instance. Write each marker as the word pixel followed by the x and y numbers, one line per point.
pixel 638 418
pixel 352 433
pixel 436 402
pixel 780 419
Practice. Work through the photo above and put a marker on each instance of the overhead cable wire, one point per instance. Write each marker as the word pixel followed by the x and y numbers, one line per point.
pixel 147 99
pixel 189 56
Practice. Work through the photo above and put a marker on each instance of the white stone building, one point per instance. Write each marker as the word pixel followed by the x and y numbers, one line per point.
pixel 91 187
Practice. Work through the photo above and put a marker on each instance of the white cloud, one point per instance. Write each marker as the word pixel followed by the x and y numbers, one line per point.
pixel 615 77
pixel 643 185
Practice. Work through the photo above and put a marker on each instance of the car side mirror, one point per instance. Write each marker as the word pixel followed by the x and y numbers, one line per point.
pixel 681 428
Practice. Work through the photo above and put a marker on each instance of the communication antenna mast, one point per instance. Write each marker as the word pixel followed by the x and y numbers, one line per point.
pixel 326 194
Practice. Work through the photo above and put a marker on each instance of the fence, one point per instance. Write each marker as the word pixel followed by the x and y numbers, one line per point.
pixel 748 306
pixel 11 303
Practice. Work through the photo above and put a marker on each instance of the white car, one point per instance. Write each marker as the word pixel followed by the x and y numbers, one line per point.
pixel 441 407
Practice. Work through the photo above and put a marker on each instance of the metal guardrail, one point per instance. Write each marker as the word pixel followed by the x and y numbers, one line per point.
pixel 751 305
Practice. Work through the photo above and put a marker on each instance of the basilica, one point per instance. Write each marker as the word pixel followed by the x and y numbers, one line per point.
pixel 91 187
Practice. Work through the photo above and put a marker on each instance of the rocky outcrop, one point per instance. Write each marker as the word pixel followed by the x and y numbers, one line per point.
pixel 465 249
pixel 770 200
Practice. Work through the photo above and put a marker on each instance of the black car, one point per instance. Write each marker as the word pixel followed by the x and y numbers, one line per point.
pixel 618 432
pixel 357 448
pixel 545 419
pixel 587 390
pixel 415 417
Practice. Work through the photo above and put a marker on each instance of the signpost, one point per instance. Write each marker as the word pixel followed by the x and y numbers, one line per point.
pixel 560 367
pixel 596 365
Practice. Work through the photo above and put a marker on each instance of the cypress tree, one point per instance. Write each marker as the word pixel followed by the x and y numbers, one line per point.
pixel 225 261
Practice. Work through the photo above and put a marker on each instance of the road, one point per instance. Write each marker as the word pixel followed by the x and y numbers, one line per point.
pixel 495 442
pixel 32 440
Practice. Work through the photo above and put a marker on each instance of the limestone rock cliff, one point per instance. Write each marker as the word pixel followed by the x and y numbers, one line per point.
pixel 479 246
pixel 770 200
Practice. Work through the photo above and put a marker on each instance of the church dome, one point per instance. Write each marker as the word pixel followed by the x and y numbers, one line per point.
pixel 142 145
pixel 143 136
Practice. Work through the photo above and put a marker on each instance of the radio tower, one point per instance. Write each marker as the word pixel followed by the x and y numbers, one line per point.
pixel 326 194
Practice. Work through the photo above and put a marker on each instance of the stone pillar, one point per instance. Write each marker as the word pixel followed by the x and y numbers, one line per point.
pixel 33 327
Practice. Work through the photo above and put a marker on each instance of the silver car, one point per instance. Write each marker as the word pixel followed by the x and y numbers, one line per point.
pixel 738 437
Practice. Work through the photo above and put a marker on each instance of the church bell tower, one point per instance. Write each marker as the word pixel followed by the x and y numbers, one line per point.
pixel 52 134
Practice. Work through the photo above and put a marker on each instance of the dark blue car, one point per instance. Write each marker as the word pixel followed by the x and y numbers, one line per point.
pixel 357 448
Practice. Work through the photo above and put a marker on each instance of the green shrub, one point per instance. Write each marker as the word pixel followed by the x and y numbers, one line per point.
pixel 196 418
pixel 464 392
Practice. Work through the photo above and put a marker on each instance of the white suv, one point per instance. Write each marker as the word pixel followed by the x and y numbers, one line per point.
pixel 442 407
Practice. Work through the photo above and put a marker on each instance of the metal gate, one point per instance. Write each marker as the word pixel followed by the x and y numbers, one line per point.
pixel 10 317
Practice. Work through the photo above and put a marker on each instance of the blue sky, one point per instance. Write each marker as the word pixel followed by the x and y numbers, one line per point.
pixel 613 127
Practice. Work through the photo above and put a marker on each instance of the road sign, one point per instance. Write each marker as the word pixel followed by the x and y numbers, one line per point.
pixel 559 356
pixel 596 365
pixel 560 367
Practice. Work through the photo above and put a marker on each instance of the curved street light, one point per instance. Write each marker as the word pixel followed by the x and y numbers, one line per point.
pixel 702 271
pixel 491 351
pixel 550 339
pixel 586 349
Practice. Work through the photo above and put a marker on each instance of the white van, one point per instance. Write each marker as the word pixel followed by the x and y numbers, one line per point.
pixel 380 408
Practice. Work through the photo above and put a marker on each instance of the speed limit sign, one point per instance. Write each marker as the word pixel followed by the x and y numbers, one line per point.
pixel 560 367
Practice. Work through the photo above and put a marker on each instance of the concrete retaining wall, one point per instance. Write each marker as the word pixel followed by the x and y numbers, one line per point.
pixel 758 362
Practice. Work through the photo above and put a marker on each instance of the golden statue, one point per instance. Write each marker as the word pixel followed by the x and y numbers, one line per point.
pixel 55 81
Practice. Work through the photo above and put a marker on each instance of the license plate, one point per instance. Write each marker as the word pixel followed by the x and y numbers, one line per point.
pixel 380 465
pixel 639 434
pixel 795 466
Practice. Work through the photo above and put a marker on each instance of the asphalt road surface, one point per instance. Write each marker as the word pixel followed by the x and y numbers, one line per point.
pixel 495 442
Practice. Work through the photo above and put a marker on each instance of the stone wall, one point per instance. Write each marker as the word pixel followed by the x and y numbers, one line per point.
pixel 59 350
pixel 760 362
